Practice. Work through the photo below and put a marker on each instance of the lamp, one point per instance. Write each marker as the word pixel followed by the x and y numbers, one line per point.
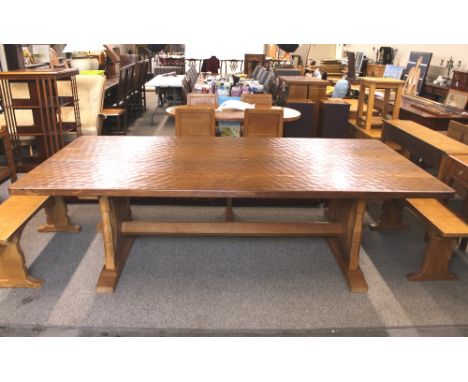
pixel 82 56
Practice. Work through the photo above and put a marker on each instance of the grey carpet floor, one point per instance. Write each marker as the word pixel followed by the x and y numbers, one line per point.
pixel 229 286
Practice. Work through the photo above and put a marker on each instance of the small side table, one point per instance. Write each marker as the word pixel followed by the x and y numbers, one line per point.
pixel 373 83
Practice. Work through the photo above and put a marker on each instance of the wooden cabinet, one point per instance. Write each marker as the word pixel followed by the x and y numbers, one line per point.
pixel 305 89
pixel 375 70
pixel 33 112
pixel 251 61
pixel 459 81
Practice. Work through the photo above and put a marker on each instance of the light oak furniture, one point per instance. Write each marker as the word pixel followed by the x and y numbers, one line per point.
pixel 33 111
pixel 263 123
pixel 202 99
pixel 15 213
pixel 445 225
pixel 371 84
pixel 114 169
pixel 421 142
pixel 416 142
pixel 8 171
pixel 354 108
pixel 195 121
pixel 230 115
pixel 261 99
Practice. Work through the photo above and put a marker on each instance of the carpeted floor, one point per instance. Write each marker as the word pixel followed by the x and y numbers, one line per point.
pixel 229 286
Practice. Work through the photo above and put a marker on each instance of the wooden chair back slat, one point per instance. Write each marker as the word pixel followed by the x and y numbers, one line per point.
pixel 263 123
pixel 195 121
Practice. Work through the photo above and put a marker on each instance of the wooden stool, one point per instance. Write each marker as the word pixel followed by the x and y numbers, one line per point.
pixel 373 83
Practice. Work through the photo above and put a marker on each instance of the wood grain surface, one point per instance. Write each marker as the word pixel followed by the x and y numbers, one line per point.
pixel 229 167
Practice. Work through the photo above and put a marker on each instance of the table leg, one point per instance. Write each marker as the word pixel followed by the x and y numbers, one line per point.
pixel 116 246
pixel 13 271
pixel 346 246
pixel 436 259
pixel 391 217
pixel 57 219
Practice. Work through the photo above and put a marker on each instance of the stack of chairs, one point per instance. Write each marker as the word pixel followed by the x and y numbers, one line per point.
pixel 131 97
pixel 191 77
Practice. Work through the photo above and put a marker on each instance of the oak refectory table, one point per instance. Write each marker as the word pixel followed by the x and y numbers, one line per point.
pixel 347 172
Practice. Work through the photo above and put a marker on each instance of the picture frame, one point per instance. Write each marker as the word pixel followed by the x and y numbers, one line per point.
pixel 456 98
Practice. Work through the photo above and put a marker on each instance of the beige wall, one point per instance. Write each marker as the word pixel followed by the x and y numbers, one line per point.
pixel 320 51
pixel 439 52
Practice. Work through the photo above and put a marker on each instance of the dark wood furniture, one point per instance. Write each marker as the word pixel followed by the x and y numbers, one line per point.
pixel 333 118
pixel 411 110
pixel 9 170
pixel 36 92
pixel 435 92
pixel 251 60
pixel 305 89
pixel 458 131
pixel 117 168
pixel 459 81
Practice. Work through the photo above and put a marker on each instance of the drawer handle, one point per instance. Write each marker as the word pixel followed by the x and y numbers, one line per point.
pixel 460 172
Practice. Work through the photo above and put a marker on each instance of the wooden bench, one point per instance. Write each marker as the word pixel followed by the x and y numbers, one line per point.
pixel 15 213
pixel 445 227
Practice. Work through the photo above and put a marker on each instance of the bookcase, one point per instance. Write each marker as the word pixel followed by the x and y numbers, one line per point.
pixel 32 104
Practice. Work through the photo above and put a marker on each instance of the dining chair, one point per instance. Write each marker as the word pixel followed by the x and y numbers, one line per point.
pixel 263 123
pixel 256 75
pixel 195 121
pixel 263 76
pixel 260 99
pixel 202 99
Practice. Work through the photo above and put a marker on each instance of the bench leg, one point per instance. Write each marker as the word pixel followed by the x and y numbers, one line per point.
pixel 436 260
pixel 116 246
pixel 391 217
pixel 13 271
pixel 57 217
pixel 346 247
pixel 229 211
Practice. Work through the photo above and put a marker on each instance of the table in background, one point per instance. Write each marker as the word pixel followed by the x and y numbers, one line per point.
pixel 162 86
pixel 114 169
pixel 229 115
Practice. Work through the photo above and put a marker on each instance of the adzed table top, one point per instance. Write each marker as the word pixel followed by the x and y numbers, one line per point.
pixel 229 167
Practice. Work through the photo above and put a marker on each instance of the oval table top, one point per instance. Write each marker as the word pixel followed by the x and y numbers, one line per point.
pixel 289 114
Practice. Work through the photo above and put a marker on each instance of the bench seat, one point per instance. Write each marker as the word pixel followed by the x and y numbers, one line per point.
pixel 445 227
pixel 15 212
pixel 445 221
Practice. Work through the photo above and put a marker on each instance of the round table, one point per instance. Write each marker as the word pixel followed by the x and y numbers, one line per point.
pixel 289 114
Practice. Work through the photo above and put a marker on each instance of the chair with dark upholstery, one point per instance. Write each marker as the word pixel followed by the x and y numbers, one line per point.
pixel 263 76
pixel 256 70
